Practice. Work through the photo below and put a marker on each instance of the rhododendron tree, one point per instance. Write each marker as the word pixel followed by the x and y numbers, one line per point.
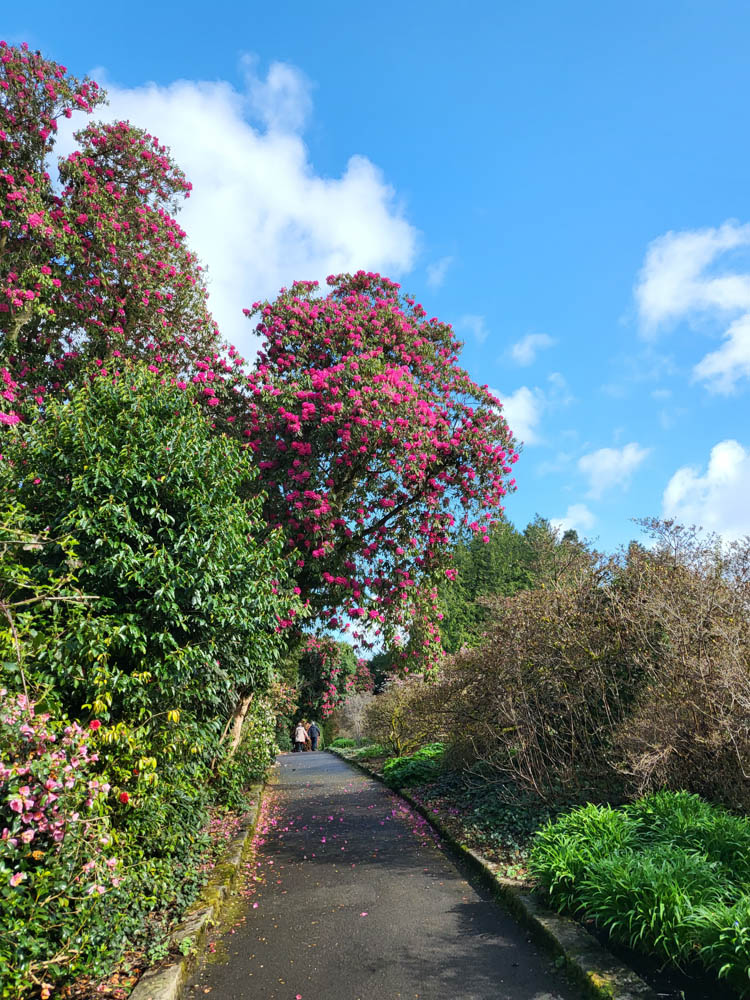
pixel 374 446
pixel 326 671
pixel 94 263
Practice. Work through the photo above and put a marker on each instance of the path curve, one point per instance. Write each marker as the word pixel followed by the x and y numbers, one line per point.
pixel 351 897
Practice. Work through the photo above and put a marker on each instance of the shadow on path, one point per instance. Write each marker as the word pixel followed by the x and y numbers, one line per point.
pixel 351 897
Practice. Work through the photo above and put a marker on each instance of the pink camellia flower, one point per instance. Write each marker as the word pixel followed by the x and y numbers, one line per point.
pixel 94 724
pixel 16 878
pixel 124 798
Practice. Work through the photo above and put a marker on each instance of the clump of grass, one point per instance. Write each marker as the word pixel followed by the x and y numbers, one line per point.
pixel 342 742
pixel 668 875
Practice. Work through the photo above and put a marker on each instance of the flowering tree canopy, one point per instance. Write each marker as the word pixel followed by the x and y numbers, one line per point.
pixel 94 263
pixel 374 446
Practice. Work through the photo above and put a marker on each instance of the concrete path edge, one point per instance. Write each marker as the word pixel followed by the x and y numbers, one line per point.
pixel 166 982
pixel 602 975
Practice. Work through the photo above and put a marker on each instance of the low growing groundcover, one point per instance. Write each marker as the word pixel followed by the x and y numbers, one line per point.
pixel 668 875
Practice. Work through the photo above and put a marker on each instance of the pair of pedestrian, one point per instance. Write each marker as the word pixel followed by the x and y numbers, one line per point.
pixel 306 733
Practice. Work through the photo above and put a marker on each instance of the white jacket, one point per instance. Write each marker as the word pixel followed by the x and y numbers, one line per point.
pixel 299 734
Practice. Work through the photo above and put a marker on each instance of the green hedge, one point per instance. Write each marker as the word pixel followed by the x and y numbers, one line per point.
pixel 668 875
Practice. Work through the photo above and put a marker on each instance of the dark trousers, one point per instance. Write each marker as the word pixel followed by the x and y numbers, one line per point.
pixel 314 741
pixel 298 746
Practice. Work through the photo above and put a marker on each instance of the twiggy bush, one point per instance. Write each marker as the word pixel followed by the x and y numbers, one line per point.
pixel 406 715
pixel 684 608
pixel 538 699
pixel 350 716
pixel 632 671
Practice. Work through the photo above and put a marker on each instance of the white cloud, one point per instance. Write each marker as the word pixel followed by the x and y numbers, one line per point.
pixel 259 215
pixel 717 499
pixel 610 467
pixel 722 369
pixel 475 325
pixel 674 284
pixel 559 393
pixel 577 517
pixel 282 102
pixel 523 410
pixel 524 351
pixel 437 271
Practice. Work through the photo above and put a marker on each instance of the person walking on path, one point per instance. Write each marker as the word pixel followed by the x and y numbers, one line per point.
pixel 299 738
pixel 314 733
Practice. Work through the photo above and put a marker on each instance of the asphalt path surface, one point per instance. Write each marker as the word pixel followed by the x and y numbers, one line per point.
pixel 351 897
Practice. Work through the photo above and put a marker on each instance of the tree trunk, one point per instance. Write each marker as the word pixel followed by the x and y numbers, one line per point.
pixel 233 727
pixel 236 723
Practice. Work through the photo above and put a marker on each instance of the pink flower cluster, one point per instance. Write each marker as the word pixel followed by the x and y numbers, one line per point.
pixel 98 261
pixel 50 798
pixel 362 679
pixel 8 393
pixel 374 448
pixel 373 445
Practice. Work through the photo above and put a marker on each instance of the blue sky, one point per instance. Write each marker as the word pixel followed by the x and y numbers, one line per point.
pixel 566 183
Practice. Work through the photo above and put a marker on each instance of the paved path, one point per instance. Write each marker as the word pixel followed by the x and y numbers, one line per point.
pixel 350 897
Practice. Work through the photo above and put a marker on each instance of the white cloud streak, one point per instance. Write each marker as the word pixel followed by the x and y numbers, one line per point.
pixel 717 498
pixel 523 410
pixel 576 518
pixel 722 369
pixel 524 351
pixel 437 271
pixel 675 284
pixel 474 325
pixel 611 467
pixel 259 215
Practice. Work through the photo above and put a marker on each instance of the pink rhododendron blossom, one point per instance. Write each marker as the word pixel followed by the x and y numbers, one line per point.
pixel 375 449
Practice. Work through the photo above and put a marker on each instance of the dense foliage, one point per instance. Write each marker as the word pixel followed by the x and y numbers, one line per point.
pixel 500 564
pixel 668 874
pixel 138 604
pixel 163 515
